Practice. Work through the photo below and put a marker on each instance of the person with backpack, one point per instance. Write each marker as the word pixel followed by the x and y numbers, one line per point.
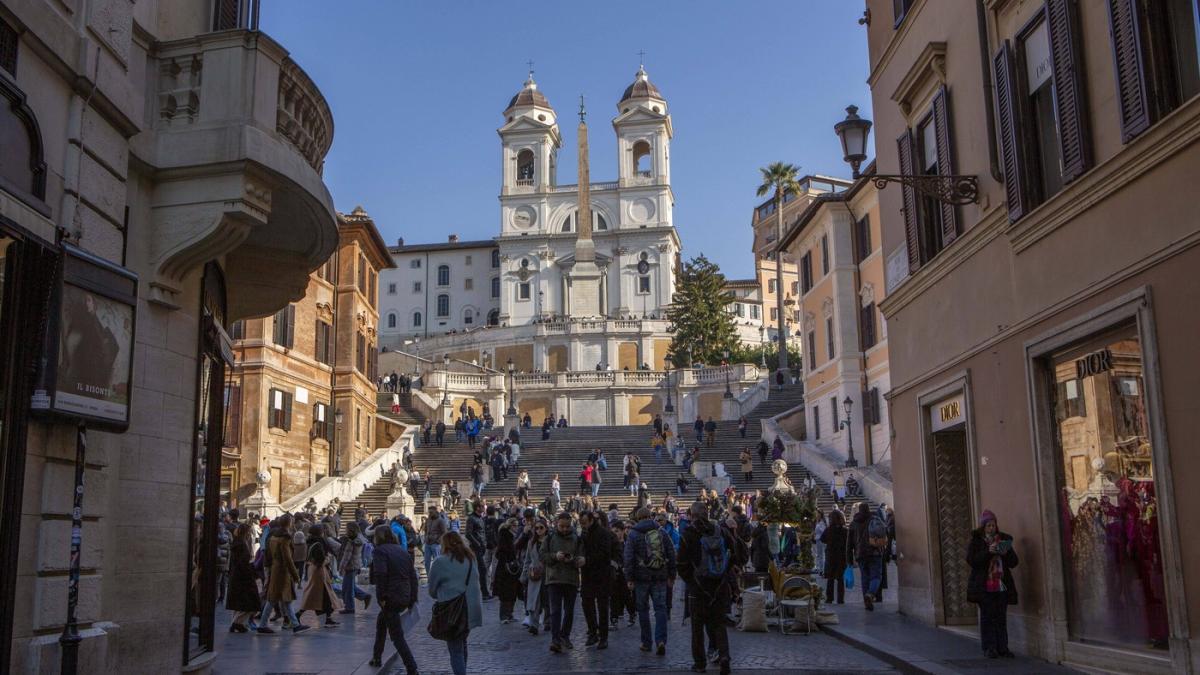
pixel 394 576
pixel 868 537
pixel 597 576
pixel 649 562
pixel 709 557
pixel 562 557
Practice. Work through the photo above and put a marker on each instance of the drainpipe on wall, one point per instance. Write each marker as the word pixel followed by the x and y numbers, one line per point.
pixel 337 433
pixel 868 447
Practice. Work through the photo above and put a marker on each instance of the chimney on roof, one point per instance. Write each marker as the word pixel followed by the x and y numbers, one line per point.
pixel 454 239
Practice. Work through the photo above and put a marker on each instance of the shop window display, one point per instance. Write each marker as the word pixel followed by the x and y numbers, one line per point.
pixel 1112 556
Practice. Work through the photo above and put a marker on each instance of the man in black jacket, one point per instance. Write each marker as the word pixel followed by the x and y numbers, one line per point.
pixel 395 579
pixel 477 540
pixel 708 594
pixel 597 577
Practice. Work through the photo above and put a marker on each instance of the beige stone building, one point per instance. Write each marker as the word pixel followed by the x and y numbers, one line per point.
pixel 836 244
pixel 302 393
pixel 170 158
pixel 767 234
pixel 1042 334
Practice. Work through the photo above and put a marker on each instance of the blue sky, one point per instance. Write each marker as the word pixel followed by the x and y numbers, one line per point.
pixel 417 90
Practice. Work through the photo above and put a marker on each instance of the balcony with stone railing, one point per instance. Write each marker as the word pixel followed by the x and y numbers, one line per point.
pixel 238 143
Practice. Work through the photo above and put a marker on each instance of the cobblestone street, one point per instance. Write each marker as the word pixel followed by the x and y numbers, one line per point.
pixel 496 648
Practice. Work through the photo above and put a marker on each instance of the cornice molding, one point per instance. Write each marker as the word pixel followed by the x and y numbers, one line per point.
pixel 894 45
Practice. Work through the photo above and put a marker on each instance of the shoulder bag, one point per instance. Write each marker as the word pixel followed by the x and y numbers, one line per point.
pixel 450 618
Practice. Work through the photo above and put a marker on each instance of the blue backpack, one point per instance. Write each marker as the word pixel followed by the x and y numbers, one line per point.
pixel 714 556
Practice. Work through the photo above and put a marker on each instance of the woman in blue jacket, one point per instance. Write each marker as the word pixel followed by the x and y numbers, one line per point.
pixel 452 574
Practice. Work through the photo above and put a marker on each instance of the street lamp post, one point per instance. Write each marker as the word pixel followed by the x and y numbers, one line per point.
pixel 847 405
pixel 338 416
pixel 445 380
pixel 728 393
pixel 670 407
pixel 512 385
pixel 762 344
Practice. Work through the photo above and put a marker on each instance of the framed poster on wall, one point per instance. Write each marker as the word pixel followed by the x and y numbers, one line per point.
pixel 87 369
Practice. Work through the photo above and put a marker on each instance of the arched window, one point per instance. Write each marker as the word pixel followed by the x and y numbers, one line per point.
pixel 443 305
pixel 598 222
pixel 494 317
pixel 496 287
pixel 495 259
pixel 525 166
pixel 641 159
pixel 443 275
pixel 416 319
pixel 391 321
pixel 468 316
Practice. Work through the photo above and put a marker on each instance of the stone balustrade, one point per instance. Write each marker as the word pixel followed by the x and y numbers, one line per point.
pixel 303 116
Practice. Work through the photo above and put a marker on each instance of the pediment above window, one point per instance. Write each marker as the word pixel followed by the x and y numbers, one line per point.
pixel 926 76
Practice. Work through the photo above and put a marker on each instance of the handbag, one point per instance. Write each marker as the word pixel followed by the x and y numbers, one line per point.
pixel 848 577
pixel 450 619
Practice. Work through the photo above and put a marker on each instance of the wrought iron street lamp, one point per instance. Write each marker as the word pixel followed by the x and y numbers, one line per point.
pixel 338 416
pixel 847 405
pixel 446 379
pixel 762 343
pixel 670 407
pixel 512 385
pixel 728 393
pixel 853 132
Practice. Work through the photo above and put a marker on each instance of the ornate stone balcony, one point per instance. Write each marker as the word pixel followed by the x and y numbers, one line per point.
pixel 238 147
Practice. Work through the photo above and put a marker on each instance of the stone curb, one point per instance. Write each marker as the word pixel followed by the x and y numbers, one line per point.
pixel 905 661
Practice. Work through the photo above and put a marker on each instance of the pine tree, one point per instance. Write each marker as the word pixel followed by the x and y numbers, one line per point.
pixel 700 321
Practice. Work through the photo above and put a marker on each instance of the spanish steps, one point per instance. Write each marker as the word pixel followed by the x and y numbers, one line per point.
pixel 567 449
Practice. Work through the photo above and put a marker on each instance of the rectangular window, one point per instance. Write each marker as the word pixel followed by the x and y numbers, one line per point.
pixel 391 289
pixel 900 10
pixel 862 239
pixel 1043 153
pixel 8 48
pixel 415 263
pixel 824 254
pixel 835 417
pixel 523 290
pixel 928 212
pixel 795 287
pixel 416 287
pixel 496 287
pixel 237 330
pixel 770 285
pixel 830 338
pixel 321 427
pixel 373 288
pixel 1105 477
pixel 806 272
pixel 362 274
pixel 443 306
pixel 467 261
pixel 816 417
pixel 812 347
pixel 468 284
pixel 360 353
pixel 775 314
pixel 739 310
pixel 929 225
pixel 643 285
pixel 868 327
pixel 871 403
pixel 443 275
pixel 328 271
pixel 279 409
pixel 324 342
pixel 284 327
pixel 755 312
pixel 233 415
pixel 358 425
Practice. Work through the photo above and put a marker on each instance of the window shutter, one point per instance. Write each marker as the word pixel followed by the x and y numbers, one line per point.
pixel 1132 95
pixel 1073 132
pixel 868 412
pixel 945 152
pixel 233 416
pixel 904 150
pixel 287 411
pixel 291 326
pixel 271 407
pixel 1012 153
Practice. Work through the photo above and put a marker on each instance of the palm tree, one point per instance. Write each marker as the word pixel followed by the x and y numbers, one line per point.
pixel 783 179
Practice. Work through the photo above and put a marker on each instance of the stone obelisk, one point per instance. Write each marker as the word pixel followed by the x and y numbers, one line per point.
pixel 584 278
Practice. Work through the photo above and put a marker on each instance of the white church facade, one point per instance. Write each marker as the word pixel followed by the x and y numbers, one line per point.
pixel 533 293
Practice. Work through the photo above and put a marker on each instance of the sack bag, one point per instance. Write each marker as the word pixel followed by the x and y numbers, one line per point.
pixel 754 612
pixel 848 577
pixel 656 558
pixel 877 533
pixel 537 571
pixel 714 556
pixel 450 619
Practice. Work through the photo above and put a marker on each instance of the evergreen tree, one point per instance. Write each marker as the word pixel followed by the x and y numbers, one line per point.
pixel 700 320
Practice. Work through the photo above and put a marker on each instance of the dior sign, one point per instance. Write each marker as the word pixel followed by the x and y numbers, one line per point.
pixel 947 413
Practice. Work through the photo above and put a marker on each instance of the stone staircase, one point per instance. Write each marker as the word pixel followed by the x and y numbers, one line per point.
pixel 567 449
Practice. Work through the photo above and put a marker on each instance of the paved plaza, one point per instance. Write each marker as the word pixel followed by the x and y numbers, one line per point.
pixel 496 648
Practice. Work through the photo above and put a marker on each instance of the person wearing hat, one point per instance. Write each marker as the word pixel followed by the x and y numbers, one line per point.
pixel 991 557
